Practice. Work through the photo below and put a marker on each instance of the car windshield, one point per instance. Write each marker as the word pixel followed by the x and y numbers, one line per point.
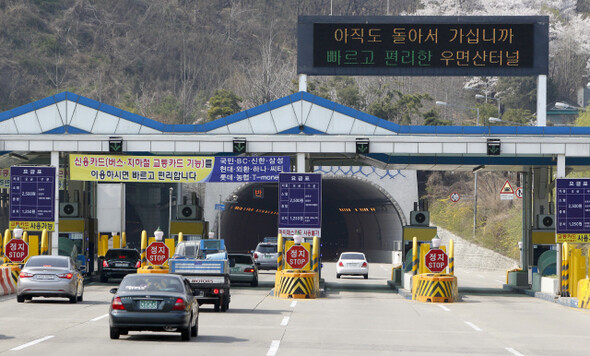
pixel 352 256
pixel 270 248
pixel 151 283
pixel 122 254
pixel 47 262
pixel 242 259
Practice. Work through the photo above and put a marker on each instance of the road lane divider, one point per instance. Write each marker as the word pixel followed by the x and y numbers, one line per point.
pixel 7 283
pixel 293 304
pixel 513 351
pixel 285 321
pixel 435 288
pixel 473 326
pixel 444 308
pixel 296 284
pixel 34 342
pixel 274 347
pixel 100 317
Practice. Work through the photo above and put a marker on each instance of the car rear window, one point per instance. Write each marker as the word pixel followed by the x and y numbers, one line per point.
pixel 270 248
pixel 242 259
pixel 47 262
pixel 122 254
pixel 151 283
pixel 352 256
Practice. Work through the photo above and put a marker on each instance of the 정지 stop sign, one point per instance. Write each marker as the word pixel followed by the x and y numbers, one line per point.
pixel 157 253
pixel 17 250
pixel 297 257
pixel 436 260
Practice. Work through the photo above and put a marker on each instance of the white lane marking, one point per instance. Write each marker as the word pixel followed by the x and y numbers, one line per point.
pixel 473 326
pixel 285 321
pixel 274 347
pixel 444 308
pixel 513 351
pixel 384 268
pixel 18 348
pixel 499 281
pixel 293 304
pixel 100 317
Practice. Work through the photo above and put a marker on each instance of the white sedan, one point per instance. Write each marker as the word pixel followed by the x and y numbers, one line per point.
pixel 352 263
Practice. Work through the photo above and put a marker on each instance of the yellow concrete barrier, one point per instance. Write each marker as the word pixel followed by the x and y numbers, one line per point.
pixel 435 288
pixel 296 284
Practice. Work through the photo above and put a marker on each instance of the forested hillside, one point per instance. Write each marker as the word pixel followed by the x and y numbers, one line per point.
pixel 180 61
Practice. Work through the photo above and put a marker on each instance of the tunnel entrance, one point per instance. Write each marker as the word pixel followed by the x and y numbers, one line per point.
pixel 356 216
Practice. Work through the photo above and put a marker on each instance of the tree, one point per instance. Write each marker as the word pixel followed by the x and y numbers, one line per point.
pixel 431 118
pixel 223 103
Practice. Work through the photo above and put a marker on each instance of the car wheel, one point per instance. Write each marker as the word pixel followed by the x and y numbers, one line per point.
pixel 81 296
pixel 104 279
pixel 366 276
pixel 254 283
pixel 73 299
pixel 224 305
pixel 114 332
pixel 337 275
pixel 216 305
pixel 123 332
pixel 195 328
pixel 185 334
pixel 20 299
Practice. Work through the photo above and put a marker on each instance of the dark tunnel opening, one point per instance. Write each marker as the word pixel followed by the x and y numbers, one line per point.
pixel 356 216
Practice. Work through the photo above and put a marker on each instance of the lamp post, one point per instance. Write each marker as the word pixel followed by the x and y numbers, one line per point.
pixel 486 97
pixel 443 103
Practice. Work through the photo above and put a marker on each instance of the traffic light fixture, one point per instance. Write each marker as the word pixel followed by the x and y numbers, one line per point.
pixel 362 146
pixel 239 145
pixel 115 145
pixel 493 146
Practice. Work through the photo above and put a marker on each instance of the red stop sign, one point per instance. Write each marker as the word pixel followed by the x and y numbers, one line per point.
pixel 17 250
pixel 297 257
pixel 436 260
pixel 157 253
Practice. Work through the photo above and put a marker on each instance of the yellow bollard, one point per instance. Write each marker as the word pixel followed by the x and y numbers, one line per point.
pixel 451 257
pixel 7 231
pixel 26 237
pixel 414 255
pixel 180 237
pixel 116 241
pixel 280 251
pixel 124 239
pixel 144 240
pixel 315 256
pixel 44 242
pixel 7 237
pixel 565 271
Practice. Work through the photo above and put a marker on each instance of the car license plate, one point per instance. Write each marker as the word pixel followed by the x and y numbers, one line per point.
pixel 120 264
pixel 148 304
pixel 44 276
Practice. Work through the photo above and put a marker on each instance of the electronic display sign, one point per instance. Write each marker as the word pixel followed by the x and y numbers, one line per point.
pixel 427 45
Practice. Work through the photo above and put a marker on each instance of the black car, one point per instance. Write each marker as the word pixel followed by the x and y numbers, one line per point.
pixel 119 262
pixel 154 302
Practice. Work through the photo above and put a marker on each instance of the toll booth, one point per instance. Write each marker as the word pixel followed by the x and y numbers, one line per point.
pixel 74 241
pixel 424 234
pixel 191 230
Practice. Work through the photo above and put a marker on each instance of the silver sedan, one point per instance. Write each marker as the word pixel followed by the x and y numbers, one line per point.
pixel 50 276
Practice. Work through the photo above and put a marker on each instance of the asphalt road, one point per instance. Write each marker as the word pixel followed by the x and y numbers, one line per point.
pixel 357 317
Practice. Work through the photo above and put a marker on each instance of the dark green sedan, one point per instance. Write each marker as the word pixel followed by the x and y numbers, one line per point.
pixel 154 302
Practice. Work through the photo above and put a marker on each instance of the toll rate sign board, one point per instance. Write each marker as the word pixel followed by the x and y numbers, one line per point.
pixel 300 204
pixel 573 210
pixel 32 197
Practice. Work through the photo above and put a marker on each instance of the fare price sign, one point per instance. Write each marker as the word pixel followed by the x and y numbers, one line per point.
pixel 423 45
pixel 32 193
pixel 573 210
pixel 300 204
pixel 17 250
pixel 157 253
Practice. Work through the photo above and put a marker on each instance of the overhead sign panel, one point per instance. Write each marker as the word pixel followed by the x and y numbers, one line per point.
pixel 32 194
pixel 423 45
pixel 300 204
pixel 111 168
pixel 573 210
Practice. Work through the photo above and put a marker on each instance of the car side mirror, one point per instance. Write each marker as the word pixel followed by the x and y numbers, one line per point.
pixel 113 290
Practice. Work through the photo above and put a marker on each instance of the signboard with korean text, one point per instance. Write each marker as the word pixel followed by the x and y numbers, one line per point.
pixel 185 169
pixel 32 194
pixel 573 210
pixel 423 45
pixel 300 204
pixel 297 256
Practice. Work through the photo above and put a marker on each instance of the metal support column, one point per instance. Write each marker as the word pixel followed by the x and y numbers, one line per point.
pixel 542 100
pixel 527 188
pixel 55 235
